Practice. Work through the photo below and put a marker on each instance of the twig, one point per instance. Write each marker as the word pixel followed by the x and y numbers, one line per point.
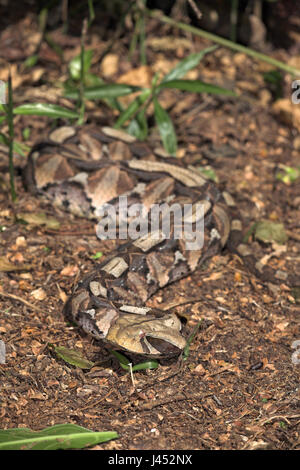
pixel 19 299
pixel 131 374
pixel 196 9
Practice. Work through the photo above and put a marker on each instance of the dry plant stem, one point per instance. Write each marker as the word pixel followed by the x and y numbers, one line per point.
pixel 196 9
pixel 19 299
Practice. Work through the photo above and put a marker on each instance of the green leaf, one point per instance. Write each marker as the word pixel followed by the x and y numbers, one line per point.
pixel 39 219
pixel 166 128
pixel 187 64
pixel 290 174
pixel 208 173
pixel 46 109
pixel 104 91
pixel 124 363
pixel 72 357
pixel 196 86
pixel 18 147
pixel 3 108
pixel 75 64
pixel 26 133
pixel 60 436
pixel 186 350
pixel 138 127
pixel 268 231
pixel 296 294
pixel 97 255
pixel 132 108
pixel 31 61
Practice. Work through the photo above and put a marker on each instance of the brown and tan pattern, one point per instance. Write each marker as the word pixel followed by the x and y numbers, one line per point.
pixel 80 170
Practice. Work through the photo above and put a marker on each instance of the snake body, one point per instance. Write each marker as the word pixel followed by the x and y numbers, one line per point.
pixel 86 169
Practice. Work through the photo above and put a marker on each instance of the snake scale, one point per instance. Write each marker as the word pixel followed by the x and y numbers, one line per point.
pixel 81 170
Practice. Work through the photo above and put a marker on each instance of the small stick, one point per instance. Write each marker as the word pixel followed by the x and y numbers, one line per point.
pixel 25 302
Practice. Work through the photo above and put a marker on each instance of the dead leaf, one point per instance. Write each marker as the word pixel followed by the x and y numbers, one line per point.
pixel 39 219
pixel 268 231
pixel 7 266
pixel 39 294
pixel 69 270
pixel 109 65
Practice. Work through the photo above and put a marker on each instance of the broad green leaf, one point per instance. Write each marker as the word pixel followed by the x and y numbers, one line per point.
pixel 75 64
pixel 296 294
pixel 268 231
pixel 290 174
pixel 45 109
pixel 72 357
pixel 26 133
pixel 60 436
pixel 208 173
pixel 124 363
pixel 138 127
pixel 3 108
pixel 31 61
pixel 104 91
pixel 2 119
pixel 92 80
pixel 166 128
pixel 97 255
pixel 132 108
pixel 39 219
pixel 196 86
pixel 18 147
pixel 187 64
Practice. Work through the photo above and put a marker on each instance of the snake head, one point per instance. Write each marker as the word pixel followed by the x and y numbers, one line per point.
pixel 147 334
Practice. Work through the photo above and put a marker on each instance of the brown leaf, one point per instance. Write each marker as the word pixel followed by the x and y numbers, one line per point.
pixel 69 270
pixel 7 266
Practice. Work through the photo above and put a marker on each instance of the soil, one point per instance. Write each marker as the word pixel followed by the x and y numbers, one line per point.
pixel 239 387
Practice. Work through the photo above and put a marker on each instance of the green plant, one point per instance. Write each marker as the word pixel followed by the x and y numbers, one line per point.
pixel 7 112
pixel 60 436
pixel 126 364
pixel 139 36
pixel 134 118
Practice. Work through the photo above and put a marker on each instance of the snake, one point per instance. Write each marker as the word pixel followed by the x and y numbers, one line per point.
pixel 87 171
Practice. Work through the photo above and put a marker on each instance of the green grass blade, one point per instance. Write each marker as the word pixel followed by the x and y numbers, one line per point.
pixel 72 357
pixel 196 86
pixel 60 436
pixel 138 127
pixel 187 64
pixel 101 92
pixel 186 350
pixel 18 147
pixel 11 135
pixel 45 109
pixel 124 363
pixel 75 64
pixel 132 108
pixel 166 128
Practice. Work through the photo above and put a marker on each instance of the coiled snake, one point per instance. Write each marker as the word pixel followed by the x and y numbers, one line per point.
pixel 83 169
